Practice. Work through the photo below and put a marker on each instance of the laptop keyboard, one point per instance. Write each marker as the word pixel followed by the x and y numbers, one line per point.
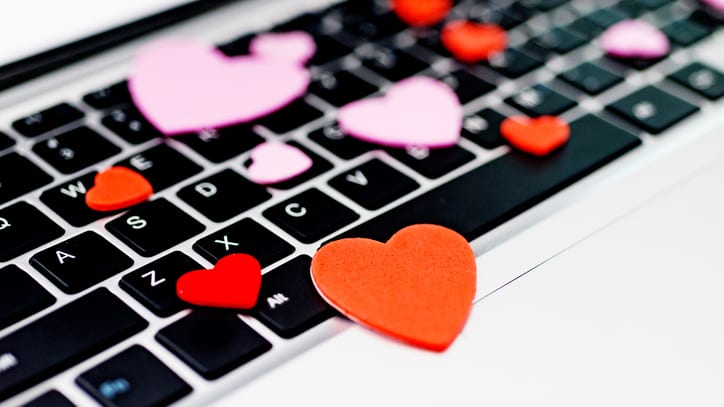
pixel 206 208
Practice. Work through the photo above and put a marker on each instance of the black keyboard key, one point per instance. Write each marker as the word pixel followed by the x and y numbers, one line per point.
pixel 335 140
pixel 430 40
pixel 68 200
pixel 467 86
pixel 5 141
pixel 244 236
pixel 328 50
pixel 80 262
pixel 130 125
pixel 686 32
pixel 559 40
pixel 393 64
pixel 483 128
pixel 513 63
pixel 63 338
pixel 376 27
pixel 319 166
pixel 224 195
pixel 654 4
pixel 20 296
pixel 341 87
pixel 222 144
pixel 591 78
pixel 154 285
pixel 630 8
pixel 702 79
pixel 162 166
pixel 75 150
pixel 153 227
pixel 585 28
pixel 652 109
pixel 288 301
pixel 24 228
pixel 310 215
pixel 306 22
pixel 495 192
pixel 373 184
pixel 540 100
pixel 294 115
pixel 133 378
pixel 433 163
pixel 213 343
pixel 19 176
pixel 52 398
pixel 605 18
pixel 109 97
pixel 544 5
pixel 46 120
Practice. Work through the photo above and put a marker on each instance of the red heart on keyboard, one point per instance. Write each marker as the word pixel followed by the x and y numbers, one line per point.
pixel 535 136
pixel 418 287
pixel 421 12
pixel 117 188
pixel 233 283
pixel 471 42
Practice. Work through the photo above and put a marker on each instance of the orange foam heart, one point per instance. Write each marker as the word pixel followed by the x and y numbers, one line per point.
pixel 418 287
pixel 234 282
pixel 420 13
pixel 471 42
pixel 117 188
pixel 538 136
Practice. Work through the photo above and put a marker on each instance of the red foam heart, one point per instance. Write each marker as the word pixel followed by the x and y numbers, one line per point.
pixel 117 188
pixel 418 287
pixel 538 136
pixel 233 283
pixel 471 42
pixel 421 13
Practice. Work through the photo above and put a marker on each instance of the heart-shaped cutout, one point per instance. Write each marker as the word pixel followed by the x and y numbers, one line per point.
pixel 182 86
pixel 234 282
pixel 117 188
pixel 294 47
pixel 538 136
pixel 418 287
pixel 635 39
pixel 418 111
pixel 471 42
pixel 421 13
pixel 277 162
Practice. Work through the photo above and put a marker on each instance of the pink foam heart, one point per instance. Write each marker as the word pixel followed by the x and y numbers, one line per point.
pixel 717 5
pixel 277 162
pixel 182 86
pixel 635 39
pixel 296 47
pixel 419 111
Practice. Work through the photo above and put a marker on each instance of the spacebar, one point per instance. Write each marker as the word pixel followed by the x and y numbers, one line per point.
pixel 495 192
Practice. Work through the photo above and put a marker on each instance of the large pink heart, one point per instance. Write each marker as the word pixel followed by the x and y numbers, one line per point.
pixel 419 111
pixel 635 39
pixel 183 86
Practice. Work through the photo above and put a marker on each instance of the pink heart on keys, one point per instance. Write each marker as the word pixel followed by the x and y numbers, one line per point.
pixel 295 47
pixel 182 86
pixel 635 39
pixel 717 5
pixel 419 111
pixel 277 162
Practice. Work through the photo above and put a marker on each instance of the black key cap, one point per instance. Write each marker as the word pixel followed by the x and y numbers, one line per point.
pixel 483 128
pixel 162 166
pixel 590 78
pixel 335 140
pixel 294 115
pixel 23 228
pixel 328 50
pixel 130 125
pixel 288 301
pixel 244 236
pixel 341 87
pixel 585 28
pixel 222 144
pixel 540 100
pixel 319 166
pixel 654 4
pixel 630 8
pixel 605 18
pixel 652 109
pixel 133 378
pixel 560 40
pixel 63 338
pixel 153 227
pixel 306 22
pixel 20 296
pixel 433 163
pixel 686 32
pixel 310 215
pixel 46 120
pixel 75 150
pixel 376 27
pixel 506 186
pixel 5 141
pixel 373 184
pixel 154 285
pixel 52 398
pixel 513 63
pixel 224 195
pixel 106 98
pixel 393 64
pixel 213 343
pixel 467 86
pixel 544 5
pixel 430 39
pixel 702 79
pixel 18 176
pixel 80 262
pixel 68 201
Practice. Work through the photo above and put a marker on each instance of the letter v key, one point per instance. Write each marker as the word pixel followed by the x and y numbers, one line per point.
pixel 357 178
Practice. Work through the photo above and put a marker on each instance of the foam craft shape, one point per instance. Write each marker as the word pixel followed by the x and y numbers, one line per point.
pixel 234 282
pixel 182 86
pixel 472 42
pixel 418 287
pixel 635 39
pixel 421 13
pixel 418 111
pixel 717 5
pixel 539 136
pixel 117 188
pixel 294 47
pixel 276 162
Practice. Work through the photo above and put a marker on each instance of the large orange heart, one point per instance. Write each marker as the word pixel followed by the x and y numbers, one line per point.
pixel 418 287
pixel 535 136
pixel 234 282
pixel 471 42
pixel 421 13
pixel 117 188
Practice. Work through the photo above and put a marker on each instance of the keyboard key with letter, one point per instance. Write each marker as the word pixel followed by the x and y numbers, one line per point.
pixel 76 149
pixel 24 228
pixel 68 200
pixel 652 109
pixel 244 236
pixel 46 120
pixel 702 79
pixel 373 184
pixel 162 166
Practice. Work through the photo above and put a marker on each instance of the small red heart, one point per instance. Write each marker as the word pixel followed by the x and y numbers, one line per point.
pixel 233 283
pixel 117 188
pixel 538 136
pixel 471 42
pixel 421 13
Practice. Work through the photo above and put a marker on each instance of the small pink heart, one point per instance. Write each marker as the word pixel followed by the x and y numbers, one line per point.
pixel 277 162
pixel 182 86
pixel 418 111
pixel 294 47
pixel 717 5
pixel 635 39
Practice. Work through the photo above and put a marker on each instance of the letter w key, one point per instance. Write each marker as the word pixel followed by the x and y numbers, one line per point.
pixel 68 200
